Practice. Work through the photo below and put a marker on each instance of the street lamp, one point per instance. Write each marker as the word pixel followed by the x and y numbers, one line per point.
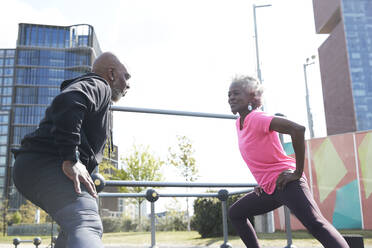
pixel 309 115
pixel 256 38
pixel 268 219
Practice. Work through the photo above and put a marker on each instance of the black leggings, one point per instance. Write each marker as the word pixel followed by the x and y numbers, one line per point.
pixel 297 197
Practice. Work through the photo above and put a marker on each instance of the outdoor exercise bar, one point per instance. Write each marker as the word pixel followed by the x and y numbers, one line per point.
pixel 176 184
pixel 172 112
pixel 151 195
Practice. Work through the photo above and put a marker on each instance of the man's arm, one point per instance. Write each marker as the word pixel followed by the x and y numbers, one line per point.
pixel 296 132
pixel 68 111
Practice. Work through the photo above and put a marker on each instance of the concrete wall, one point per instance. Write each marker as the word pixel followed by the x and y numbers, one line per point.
pixel 334 67
pixel 336 83
pixel 326 14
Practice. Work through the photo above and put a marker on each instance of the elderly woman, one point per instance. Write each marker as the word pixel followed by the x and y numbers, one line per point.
pixel 280 178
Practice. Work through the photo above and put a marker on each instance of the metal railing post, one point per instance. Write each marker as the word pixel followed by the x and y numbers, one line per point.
pixel 152 196
pixel 223 195
pixel 287 212
pixel 153 228
pixel 288 230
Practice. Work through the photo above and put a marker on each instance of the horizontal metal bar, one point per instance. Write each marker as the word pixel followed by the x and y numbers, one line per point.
pixel 124 195
pixel 172 112
pixel 189 195
pixel 105 194
pixel 240 192
pixel 177 184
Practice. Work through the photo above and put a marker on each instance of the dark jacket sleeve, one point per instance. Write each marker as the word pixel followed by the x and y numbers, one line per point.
pixel 68 111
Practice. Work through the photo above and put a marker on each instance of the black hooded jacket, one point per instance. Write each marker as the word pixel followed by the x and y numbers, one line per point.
pixel 78 119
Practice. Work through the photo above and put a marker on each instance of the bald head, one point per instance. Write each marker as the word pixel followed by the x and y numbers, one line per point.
pixel 108 66
pixel 104 62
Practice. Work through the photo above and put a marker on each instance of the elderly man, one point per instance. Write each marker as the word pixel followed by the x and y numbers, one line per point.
pixel 53 165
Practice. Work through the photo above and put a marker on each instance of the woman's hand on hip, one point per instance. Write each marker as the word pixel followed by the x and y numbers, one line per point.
pixel 78 173
pixel 285 177
pixel 258 190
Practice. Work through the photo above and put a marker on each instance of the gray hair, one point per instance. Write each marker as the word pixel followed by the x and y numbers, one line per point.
pixel 253 88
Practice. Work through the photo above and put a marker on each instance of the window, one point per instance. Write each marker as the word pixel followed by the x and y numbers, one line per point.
pixel 33 36
pixel 8 71
pixel 3 118
pixel 2 150
pixel 10 53
pixel 9 62
pixel 359 93
pixel 6 100
pixel 40 36
pixel 355 55
pixel 2 171
pixel 7 91
pixel 3 129
pixel 8 81
pixel 3 139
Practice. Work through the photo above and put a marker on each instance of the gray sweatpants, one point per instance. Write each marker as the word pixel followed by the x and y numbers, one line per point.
pixel 39 177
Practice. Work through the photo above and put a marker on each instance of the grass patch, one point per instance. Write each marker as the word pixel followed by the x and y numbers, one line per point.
pixel 300 238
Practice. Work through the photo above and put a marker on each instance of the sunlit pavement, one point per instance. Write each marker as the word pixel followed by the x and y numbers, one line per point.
pixel 160 246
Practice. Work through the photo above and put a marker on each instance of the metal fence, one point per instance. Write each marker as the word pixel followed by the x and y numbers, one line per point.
pixel 152 195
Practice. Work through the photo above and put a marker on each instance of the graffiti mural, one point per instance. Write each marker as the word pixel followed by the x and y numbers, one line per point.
pixel 339 172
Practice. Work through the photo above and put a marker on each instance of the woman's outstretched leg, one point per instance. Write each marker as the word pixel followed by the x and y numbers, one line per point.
pixel 248 206
pixel 297 196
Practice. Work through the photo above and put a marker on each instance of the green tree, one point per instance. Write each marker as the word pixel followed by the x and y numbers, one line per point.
pixel 139 165
pixel 28 211
pixel 16 218
pixel 174 219
pixel 182 158
pixel 106 167
pixel 4 218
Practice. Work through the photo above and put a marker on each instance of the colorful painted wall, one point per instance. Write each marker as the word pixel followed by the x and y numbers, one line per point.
pixel 339 171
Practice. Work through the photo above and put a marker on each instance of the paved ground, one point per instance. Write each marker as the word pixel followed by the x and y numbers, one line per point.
pixel 131 246
pixel 134 246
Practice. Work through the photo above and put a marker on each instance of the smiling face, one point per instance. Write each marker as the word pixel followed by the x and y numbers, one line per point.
pixel 238 98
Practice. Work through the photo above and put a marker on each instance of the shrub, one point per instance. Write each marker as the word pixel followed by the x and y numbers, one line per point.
pixel 172 221
pixel 16 218
pixel 207 218
pixel 128 225
pixel 111 224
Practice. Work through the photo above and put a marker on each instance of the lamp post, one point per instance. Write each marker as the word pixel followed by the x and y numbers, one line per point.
pixel 256 39
pixel 267 219
pixel 309 115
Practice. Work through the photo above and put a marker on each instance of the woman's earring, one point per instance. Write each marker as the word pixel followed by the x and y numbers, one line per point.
pixel 250 107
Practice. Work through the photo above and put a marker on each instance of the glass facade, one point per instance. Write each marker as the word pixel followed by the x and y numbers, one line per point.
pixel 7 57
pixel 30 77
pixel 358 29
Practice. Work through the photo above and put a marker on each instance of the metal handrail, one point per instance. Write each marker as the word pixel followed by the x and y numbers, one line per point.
pixel 172 112
pixel 151 195
pixel 177 184
pixel 130 195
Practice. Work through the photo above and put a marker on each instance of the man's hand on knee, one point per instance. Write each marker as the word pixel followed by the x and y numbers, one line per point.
pixel 78 173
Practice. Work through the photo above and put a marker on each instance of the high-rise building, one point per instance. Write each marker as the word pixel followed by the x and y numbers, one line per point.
pixel 345 60
pixel 30 77
pixel 6 83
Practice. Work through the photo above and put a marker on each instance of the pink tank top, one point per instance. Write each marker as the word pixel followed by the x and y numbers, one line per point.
pixel 262 151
